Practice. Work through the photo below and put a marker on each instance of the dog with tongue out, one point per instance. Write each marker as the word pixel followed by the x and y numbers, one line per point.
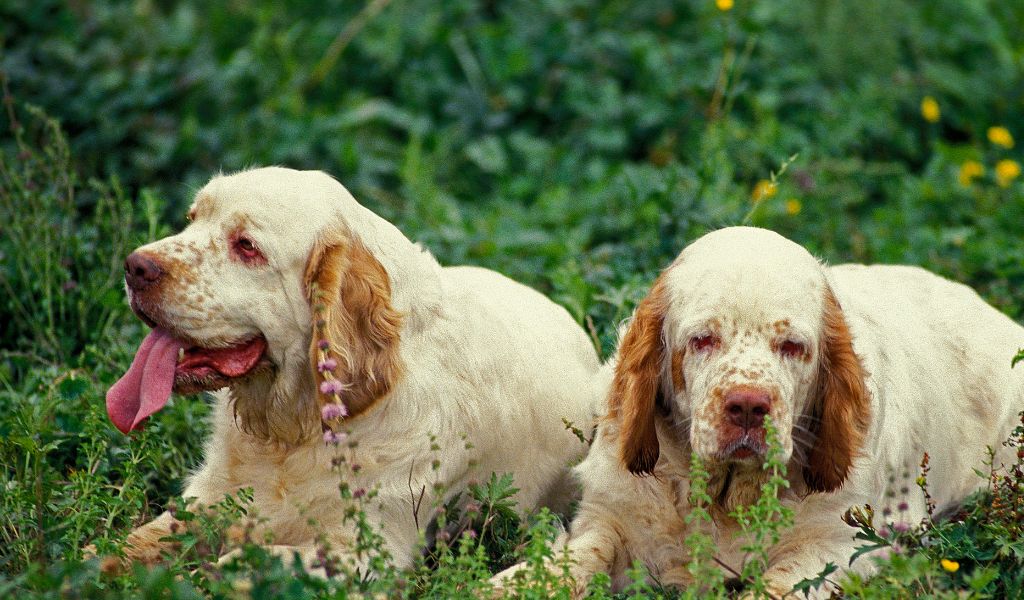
pixel 328 338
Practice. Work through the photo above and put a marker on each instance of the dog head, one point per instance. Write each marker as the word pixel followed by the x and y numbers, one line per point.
pixel 276 271
pixel 741 326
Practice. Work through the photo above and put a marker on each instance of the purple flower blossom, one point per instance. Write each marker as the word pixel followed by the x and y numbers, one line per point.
pixel 359 493
pixel 903 506
pixel 323 344
pixel 327 365
pixel 333 438
pixel 330 386
pixel 471 534
pixel 333 411
pixel 900 527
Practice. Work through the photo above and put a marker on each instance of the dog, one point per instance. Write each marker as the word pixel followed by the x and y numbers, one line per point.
pixel 340 351
pixel 862 370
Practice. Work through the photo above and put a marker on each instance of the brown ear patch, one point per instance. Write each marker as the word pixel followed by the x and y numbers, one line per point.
pixel 841 413
pixel 678 379
pixel 634 391
pixel 350 293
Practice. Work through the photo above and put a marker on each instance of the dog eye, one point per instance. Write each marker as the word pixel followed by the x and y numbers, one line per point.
pixel 701 343
pixel 791 348
pixel 246 248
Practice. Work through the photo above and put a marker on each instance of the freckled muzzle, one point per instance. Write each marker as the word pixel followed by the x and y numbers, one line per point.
pixel 167 360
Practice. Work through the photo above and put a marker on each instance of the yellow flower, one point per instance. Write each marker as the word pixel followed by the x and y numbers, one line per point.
pixel 970 170
pixel 763 189
pixel 793 206
pixel 1000 136
pixel 1006 171
pixel 930 109
pixel 950 565
pixel 723 4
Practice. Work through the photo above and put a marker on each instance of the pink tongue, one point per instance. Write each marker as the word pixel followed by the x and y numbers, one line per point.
pixel 145 388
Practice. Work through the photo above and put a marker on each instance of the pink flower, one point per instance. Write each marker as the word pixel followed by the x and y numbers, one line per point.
pixel 900 527
pixel 333 411
pixel 327 365
pixel 323 344
pixel 359 493
pixel 333 438
pixel 330 386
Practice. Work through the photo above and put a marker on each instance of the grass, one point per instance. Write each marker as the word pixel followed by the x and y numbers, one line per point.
pixel 576 150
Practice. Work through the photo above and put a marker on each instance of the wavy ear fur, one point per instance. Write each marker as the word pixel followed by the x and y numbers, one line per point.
pixel 351 298
pixel 636 386
pixel 842 410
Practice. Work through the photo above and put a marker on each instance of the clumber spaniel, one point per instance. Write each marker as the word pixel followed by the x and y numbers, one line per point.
pixel 329 333
pixel 862 369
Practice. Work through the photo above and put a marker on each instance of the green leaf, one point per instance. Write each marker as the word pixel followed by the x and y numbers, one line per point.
pixel 814 583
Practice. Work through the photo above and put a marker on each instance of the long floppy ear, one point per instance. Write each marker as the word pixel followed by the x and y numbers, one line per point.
pixel 842 410
pixel 635 388
pixel 354 323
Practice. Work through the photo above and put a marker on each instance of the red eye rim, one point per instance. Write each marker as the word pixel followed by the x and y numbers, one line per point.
pixel 704 343
pixel 246 249
pixel 791 348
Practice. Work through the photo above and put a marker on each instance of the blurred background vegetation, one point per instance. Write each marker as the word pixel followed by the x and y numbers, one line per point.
pixel 575 145
pixel 572 144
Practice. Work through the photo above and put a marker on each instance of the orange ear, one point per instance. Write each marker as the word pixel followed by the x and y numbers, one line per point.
pixel 637 380
pixel 351 298
pixel 842 411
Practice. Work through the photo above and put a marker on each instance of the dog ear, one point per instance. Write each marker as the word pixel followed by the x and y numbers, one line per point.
pixel 841 410
pixel 636 386
pixel 354 323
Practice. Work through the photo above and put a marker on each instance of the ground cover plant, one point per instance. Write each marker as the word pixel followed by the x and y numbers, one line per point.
pixel 574 145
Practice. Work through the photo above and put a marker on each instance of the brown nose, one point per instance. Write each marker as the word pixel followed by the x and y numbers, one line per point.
pixel 747 407
pixel 141 271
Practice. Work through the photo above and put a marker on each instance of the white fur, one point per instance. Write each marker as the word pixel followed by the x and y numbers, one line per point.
pixel 937 360
pixel 491 369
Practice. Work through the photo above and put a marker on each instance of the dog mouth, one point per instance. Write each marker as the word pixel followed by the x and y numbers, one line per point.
pixel 200 369
pixel 744 448
pixel 165 363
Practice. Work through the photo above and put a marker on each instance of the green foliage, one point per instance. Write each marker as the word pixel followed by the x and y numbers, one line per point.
pixel 763 522
pixel 61 271
pixel 708 577
pixel 576 150
pixel 575 145
pixel 978 552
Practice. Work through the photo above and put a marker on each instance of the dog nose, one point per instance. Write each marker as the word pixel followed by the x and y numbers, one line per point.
pixel 747 407
pixel 141 271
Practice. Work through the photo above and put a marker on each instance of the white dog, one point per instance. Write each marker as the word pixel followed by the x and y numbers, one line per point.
pixel 862 370
pixel 333 334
